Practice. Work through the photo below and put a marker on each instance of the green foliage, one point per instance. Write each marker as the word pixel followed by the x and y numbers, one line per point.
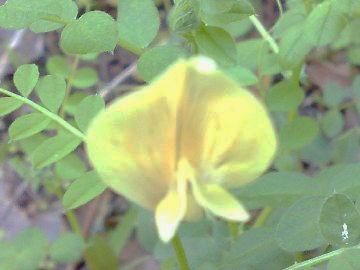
pixel 8 105
pixel 67 248
pixel 82 190
pixel 51 90
pixel 298 228
pixel 25 78
pixel 138 23
pixel 93 32
pixel 40 16
pixel 87 109
pixel 17 255
pixel 28 125
pixel 308 202
pixel 54 149
pixel 155 60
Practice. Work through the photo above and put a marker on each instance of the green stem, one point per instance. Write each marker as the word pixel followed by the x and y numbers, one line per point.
pixel 180 253
pixel 74 223
pixel 69 85
pixel 70 215
pixel 47 113
pixel 281 10
pixel 265 213
pixel 264 33
pixel 317 260
pixel 233 229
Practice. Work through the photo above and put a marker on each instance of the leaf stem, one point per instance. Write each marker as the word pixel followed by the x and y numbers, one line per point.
pixel 264 33
pixel 233 229
pixel 180 253
pixel 281 10
pixel 70 81
pixel 318 259
pixel 264 214
pixel 47 113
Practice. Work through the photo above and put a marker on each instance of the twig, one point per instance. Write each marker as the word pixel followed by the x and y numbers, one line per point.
pixel 119 79
pixel 4 58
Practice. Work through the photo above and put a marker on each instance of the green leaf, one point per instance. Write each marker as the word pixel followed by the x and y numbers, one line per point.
pixel 340 178
pixel 83 190
pixel 284 96
pixel 215 6
pixel 184 16
pixel 93 32
pixel 354 55
pixel 239 10
pixel 8 105
pixel 348 260
pixel 318 152
pixel 18 256
pixel 298 228
pixel 333 94
pixel 243 76
pixel 298 133
pixel 217 44
pixel 324 23
pixel 99 255
pixel 67 248
pixel 347 147
pixel 255 249
pixel 293 48
pixel 138 23
pixel 51 91
pixel 88 108
pixel 340 221
pixel 58 65
pixel 32 13
pixel 277 189
pixel 85 78
pixel 64 10
pixel 25 78
pixel 70 167
pixel 73 101
pixel 28 125
pixel 54 149
pixel 332 123
pixel 154 61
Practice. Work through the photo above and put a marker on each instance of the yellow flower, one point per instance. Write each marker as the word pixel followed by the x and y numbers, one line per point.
pixel 176 145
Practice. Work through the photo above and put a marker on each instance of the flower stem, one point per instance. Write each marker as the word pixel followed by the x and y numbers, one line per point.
pixel 180 253
pixel 264 214
pixel 233 229
pixel 264 33
pixel 47 113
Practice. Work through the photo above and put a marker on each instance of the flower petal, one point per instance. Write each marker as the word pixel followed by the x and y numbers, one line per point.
pixel 131 145
pixel 225 131
pixel 170 211
pixel 220 202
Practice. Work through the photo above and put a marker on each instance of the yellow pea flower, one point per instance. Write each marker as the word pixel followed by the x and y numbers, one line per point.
pixel 176 145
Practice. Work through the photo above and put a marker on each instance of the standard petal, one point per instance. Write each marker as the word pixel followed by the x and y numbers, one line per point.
pixel 226 132
pixel 131 145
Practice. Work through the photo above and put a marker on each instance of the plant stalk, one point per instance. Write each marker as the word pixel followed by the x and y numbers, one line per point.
pixel 47 113
pixel 180 253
